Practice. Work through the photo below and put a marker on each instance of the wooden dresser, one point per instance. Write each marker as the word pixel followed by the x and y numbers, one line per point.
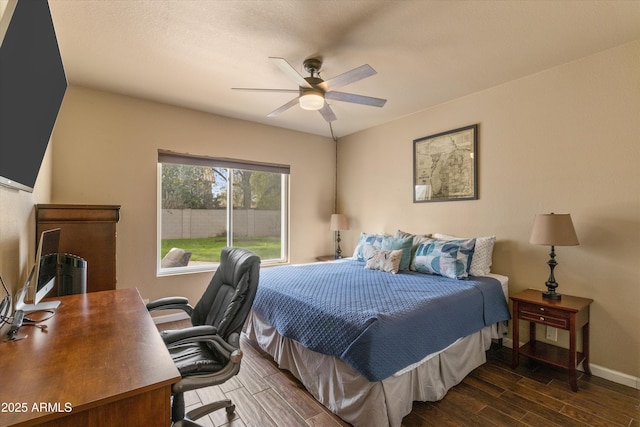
pixel 88 231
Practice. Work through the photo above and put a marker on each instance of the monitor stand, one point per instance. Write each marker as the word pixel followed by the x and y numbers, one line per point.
pixel 41 306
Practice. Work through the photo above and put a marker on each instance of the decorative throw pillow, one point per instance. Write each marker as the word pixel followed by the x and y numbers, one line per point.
pixel 388 261
pixel 374 240
pixel 368 251
pixel 482 254
pixel 449 258
pixel 391 244
pixel 418 239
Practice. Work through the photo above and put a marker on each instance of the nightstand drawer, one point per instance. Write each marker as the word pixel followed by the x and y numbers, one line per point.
pixel 544 315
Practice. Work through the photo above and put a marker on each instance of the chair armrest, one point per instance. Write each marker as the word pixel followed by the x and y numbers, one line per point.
pixel 234 339
pixel 191 334
pixel 204 334
pixel 192 382
pixel 171 303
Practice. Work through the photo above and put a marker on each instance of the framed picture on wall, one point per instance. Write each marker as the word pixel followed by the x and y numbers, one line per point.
pixel 445 166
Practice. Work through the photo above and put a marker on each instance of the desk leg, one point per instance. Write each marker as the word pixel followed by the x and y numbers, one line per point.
pixel 532 363
pixel 585 349
pixel 573 381
pixel 515 333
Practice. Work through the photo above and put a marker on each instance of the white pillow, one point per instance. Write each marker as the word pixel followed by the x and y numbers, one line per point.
pixel 482 255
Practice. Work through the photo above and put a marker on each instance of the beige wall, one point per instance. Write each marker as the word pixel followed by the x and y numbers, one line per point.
pixel 105 151
pixel 18 229
pixel 566 140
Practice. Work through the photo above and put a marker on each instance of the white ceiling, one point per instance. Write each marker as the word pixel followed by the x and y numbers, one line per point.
pixel 191 52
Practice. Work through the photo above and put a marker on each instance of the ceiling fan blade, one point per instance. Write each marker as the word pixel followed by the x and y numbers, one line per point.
pixel 327 113
pixel 252 89
pixel 285 107
pixel 290 71
pixel 356 99
pixel 352 76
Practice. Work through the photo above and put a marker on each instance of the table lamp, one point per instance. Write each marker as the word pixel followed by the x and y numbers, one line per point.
pixel 338 222
pixel 553 230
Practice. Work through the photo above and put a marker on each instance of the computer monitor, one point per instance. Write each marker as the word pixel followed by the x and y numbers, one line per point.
pixel 43 275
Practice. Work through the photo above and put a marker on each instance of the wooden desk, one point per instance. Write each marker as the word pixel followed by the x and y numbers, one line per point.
pixel 100 363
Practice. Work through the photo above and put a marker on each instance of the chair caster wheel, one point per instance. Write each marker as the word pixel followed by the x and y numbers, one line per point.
pixel 230 410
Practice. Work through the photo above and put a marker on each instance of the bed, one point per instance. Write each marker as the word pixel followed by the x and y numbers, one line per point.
pixel 366 343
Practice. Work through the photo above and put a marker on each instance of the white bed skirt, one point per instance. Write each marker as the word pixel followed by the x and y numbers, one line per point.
pixel 360 402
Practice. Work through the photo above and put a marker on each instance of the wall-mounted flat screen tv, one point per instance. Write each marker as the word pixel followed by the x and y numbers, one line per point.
pixel 32 86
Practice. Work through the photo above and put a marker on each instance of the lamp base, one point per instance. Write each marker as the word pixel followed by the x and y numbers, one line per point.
pixel 338 250
pixel 551 295
pixel 551 282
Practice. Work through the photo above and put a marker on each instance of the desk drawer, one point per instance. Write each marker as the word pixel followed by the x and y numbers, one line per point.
pixel 544 315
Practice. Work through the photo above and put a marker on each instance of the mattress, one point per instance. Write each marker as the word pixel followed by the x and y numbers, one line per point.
pixel 361 402
pixel 365 316
pixel 495 331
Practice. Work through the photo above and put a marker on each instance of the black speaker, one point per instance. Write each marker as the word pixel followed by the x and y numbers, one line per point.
pixel 72 275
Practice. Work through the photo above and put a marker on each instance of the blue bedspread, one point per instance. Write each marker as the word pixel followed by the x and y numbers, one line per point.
pixel 377 322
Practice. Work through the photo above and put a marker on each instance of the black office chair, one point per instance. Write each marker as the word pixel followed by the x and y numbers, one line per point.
pixel 208 353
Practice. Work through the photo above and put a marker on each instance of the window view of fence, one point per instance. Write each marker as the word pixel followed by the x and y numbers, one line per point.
pixel 206 205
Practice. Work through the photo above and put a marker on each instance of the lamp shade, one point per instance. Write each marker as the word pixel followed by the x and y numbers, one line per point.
pixel 553 230
pixel 311 101
pixel 338 222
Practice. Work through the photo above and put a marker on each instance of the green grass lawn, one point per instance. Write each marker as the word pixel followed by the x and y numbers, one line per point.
pixel 208 249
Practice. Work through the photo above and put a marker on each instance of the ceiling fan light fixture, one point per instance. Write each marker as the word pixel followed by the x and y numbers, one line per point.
pixel 313 90
pixel 311 101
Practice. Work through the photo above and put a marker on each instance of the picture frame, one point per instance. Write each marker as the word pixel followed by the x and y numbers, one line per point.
pixel 445 166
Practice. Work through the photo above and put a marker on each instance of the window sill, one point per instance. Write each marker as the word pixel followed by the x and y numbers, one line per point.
pixel 208 267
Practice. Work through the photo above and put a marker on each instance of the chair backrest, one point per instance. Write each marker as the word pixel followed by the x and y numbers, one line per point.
pixel 227 300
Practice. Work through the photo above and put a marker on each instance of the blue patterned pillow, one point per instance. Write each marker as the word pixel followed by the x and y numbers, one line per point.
pixel 450 258
pixel 482 254
pixel 391 244
pixel 374 240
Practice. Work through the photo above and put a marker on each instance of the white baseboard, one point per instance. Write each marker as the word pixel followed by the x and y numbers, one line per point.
pixel 600 371
pixel 615 376
pixel 170 318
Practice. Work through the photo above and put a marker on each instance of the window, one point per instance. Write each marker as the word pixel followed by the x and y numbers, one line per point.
pixel 208 203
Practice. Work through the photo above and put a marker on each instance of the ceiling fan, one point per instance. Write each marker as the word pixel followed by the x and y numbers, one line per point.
pixel 313 91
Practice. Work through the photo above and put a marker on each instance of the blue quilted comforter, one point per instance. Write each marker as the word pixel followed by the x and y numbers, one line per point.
pixel 379 323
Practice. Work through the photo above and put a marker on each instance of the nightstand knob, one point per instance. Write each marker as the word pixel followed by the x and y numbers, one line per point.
pixel 541 308
pixel 542 318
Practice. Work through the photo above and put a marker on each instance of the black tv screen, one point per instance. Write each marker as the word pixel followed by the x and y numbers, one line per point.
pixel 32 86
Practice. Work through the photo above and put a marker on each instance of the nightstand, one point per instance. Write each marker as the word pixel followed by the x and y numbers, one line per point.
pixel 326 258
pixel 569 313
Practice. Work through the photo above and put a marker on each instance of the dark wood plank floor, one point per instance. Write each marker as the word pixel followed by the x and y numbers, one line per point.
pixel 492 395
